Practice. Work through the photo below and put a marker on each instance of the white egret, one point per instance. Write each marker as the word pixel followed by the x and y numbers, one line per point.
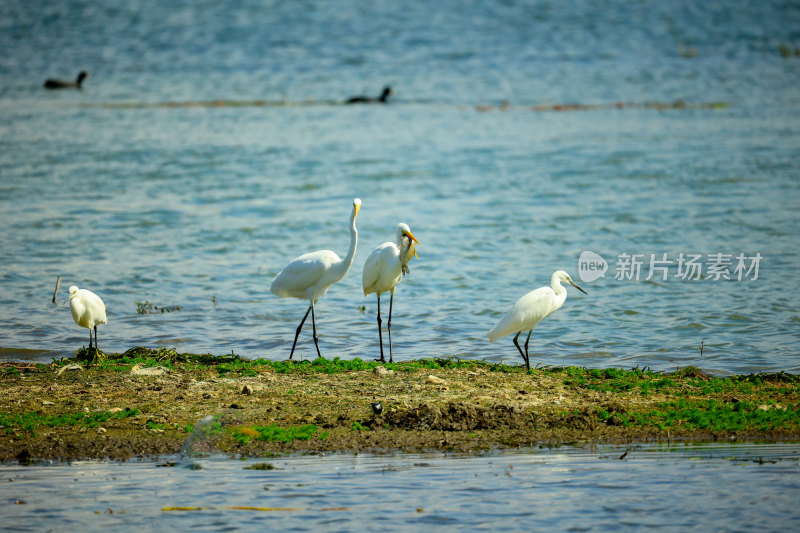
pixel 309 276
pixel 384 269
pixel 531 309
pixel 88 310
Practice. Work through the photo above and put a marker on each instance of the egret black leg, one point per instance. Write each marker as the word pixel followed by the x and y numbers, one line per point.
pixel 90 338
pixel 96 343
pixel 297 333
pixel 517 345
pixel 380 334
pixel 524 357
pixel 389 325
pixel 527 355
pixel 314 326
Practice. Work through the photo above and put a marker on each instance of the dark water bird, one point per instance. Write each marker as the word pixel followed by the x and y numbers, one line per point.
pixel 63 84
pixel 387 92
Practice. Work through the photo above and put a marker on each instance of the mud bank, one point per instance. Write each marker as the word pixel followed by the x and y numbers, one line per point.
pixel 146 403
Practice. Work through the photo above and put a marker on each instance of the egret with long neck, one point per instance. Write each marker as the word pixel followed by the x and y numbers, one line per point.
pixel 309 276
pixel 384 269
pixel 531 309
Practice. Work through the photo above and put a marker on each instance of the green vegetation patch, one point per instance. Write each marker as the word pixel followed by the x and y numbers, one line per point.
pixel 90 356
pixel 32 421
pixel 712 415
pixel 236 365
pixel 239 366
pixel 260 466
pixel 357 426
pixel 273 433
pixel 337 365
pixel 686 381
pixel 612 379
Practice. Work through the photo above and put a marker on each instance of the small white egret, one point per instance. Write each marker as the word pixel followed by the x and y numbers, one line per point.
pixel 88 310
pixel 309 276
pixel 531 309
pixel 384 269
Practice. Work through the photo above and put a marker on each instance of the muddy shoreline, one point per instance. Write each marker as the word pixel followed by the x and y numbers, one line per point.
pixel 146 405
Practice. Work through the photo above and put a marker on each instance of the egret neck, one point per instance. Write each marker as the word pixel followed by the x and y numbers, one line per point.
pixel 341 269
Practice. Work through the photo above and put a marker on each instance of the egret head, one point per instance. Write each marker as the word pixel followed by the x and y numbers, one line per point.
pixel 564 277
pixel 73 291
pixel 404 232
pixel 356 206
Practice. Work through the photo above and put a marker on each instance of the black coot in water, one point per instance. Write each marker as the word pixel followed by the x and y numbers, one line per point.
pixel 387 92
pixel 62 84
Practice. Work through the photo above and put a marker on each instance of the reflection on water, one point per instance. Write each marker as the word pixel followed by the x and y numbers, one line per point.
pixel 735 487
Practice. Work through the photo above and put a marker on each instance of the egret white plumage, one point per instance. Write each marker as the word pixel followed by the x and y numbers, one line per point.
pixel 88 310
pixel 309 276
pixel 531 309
pixel 384 269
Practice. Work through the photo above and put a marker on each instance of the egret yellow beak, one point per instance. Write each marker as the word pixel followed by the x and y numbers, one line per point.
pixel 411 236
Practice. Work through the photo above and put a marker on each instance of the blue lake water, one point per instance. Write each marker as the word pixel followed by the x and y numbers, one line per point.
pixel 210 146
pixel 720 487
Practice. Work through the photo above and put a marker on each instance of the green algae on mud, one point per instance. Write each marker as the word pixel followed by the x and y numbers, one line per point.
pixel 105 407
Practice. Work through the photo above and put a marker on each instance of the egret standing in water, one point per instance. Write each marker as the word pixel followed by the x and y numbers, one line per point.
pixel 309 276
pixel 384 269
pixel 88 310
pixel 531 309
